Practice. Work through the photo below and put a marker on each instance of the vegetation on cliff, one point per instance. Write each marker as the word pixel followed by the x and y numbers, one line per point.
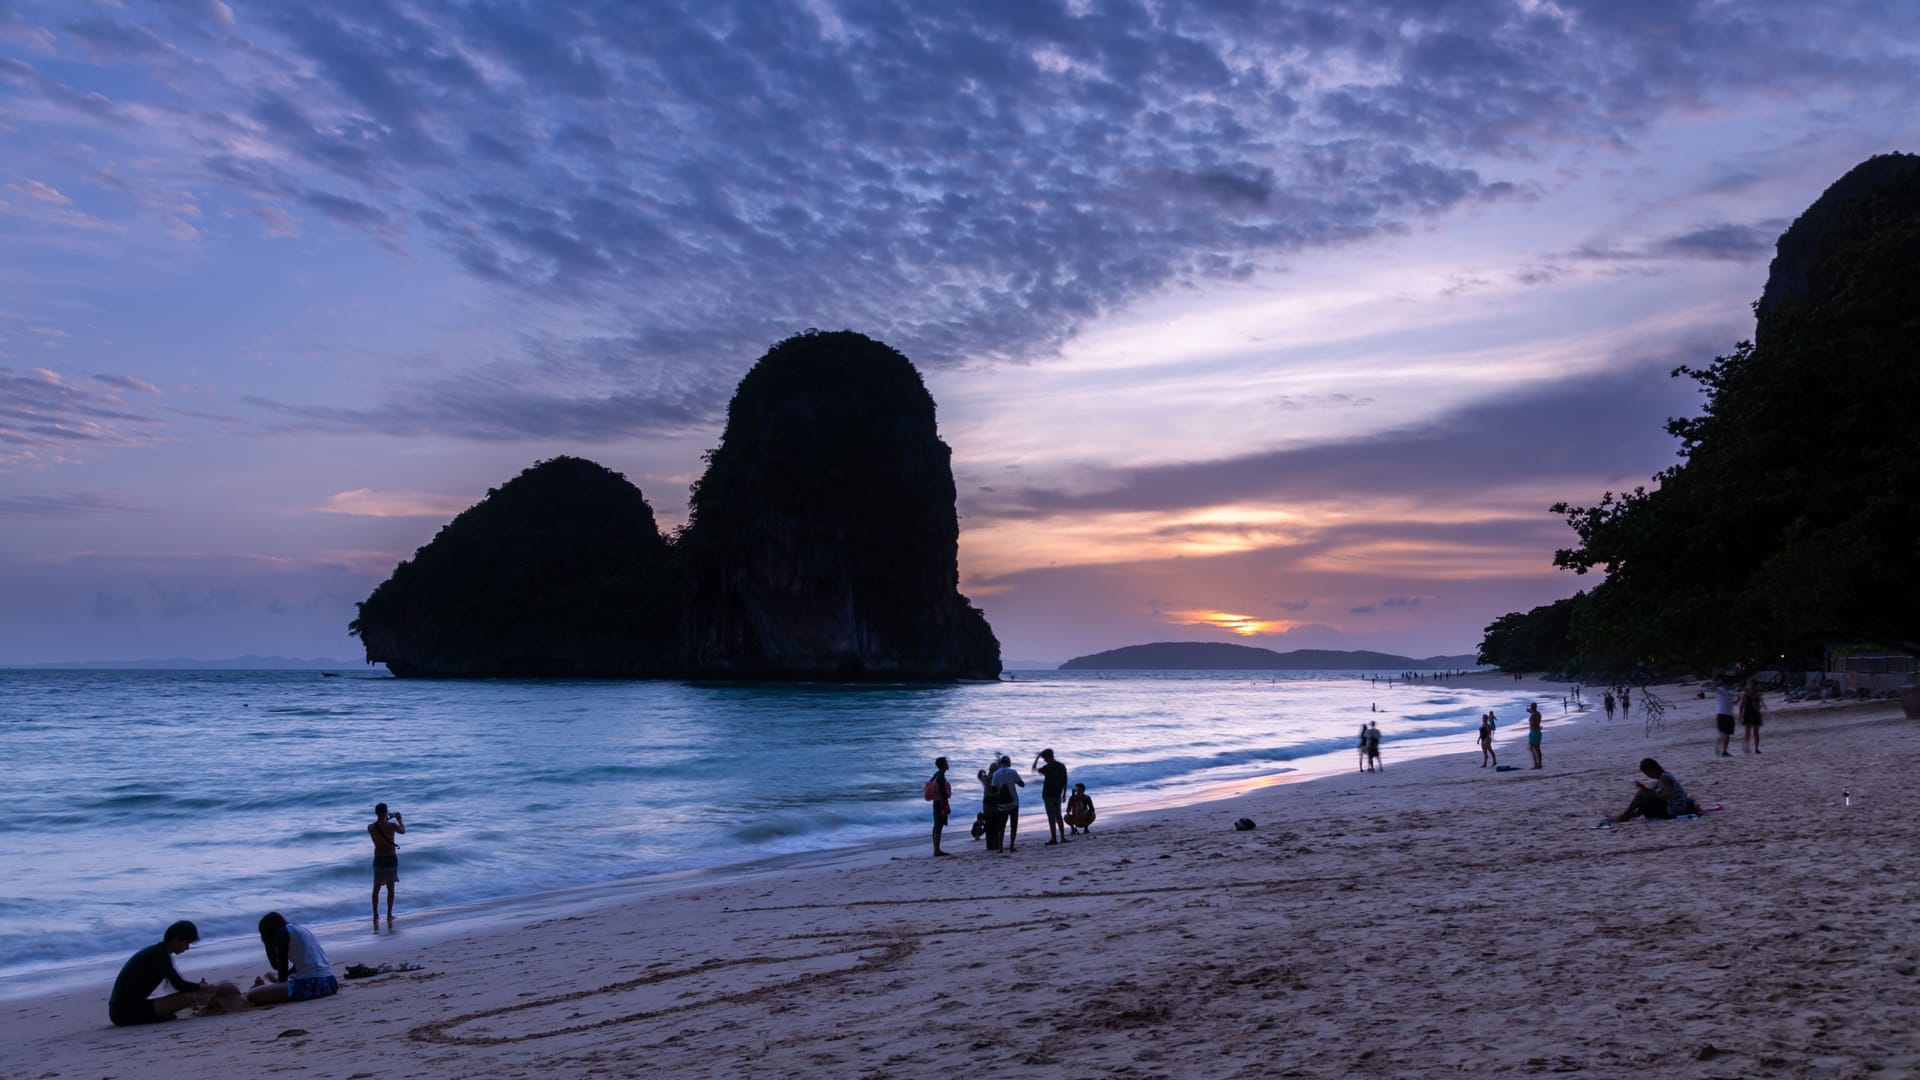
pixel 560 571
pixel 1790 521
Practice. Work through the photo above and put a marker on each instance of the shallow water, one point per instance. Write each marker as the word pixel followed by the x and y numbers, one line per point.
pixel 140 797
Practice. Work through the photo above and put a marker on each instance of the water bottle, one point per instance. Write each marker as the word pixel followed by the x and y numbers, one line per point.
pixel 1846 797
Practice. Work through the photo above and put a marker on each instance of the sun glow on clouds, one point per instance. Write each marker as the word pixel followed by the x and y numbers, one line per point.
pixel 365 502
pixel 1242 625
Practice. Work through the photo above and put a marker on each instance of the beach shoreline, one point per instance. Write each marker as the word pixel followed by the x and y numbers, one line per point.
pixel 1168 944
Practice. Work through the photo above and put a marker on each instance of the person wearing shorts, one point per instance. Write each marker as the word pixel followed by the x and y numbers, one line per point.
pixel 942 795
pixel 1723 706
pixel 386 858
pixel 300 968
pixel 1750 718
pixel 130 1004
pixel 1533 734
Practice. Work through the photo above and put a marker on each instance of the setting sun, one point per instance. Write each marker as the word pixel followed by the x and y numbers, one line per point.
pixel 1243 625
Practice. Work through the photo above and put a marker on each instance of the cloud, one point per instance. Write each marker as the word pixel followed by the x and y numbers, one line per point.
pixel 369 503
pixel 68 504
pixel 1749 242
pixel 34 189
pixel 971 182
pixel 1542 433
pixel 44 416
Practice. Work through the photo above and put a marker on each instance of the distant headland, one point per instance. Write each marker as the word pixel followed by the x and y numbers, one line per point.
pixel 1221 656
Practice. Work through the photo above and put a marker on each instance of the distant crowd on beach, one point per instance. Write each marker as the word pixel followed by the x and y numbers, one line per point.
pixel 298 966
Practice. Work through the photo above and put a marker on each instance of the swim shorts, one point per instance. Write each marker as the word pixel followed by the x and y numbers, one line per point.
pixel 1724 721
pixel 386 869
pixel 1533 737
pixel 309 987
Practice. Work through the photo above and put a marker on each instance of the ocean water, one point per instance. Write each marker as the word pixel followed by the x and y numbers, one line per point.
pixel 134 798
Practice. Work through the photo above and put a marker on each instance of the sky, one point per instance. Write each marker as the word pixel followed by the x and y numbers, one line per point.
pixel 1278 323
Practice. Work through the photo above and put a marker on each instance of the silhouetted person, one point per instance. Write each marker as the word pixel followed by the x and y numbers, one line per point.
pixel 386 858
pixel 941 793
pixel 1053 788
pixel 143 973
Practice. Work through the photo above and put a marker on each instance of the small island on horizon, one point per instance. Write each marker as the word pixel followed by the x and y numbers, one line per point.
pixel 1225 656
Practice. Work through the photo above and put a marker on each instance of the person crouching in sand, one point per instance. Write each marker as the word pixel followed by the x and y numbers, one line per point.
pixel 300 968
pixel 129 1004
pixel 1080 810
pixel 1661 800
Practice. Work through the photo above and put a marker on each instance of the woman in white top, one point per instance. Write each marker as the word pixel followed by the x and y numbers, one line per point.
pixel 300 967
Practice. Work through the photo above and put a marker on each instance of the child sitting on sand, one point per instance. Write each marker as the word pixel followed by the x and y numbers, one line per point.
pixel 1079 810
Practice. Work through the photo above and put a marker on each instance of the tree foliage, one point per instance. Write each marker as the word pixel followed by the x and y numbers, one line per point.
pixel 1536 640
pixel 1790 520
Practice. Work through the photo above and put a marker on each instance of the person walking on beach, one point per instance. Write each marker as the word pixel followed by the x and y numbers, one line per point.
pixel 1006 789
pixel 1052 789
pixel 1533 733
pixel 1080 810
pixel 1750 718
pixel 940 793
pixel 1723 706
pixel 1363 748
pixel 300 968
pixel 386 858
pixel 1487 756
pixel 130 1003
pixel 1626 702
pixel 1608 702
pixel 990 806
pixel 1373 747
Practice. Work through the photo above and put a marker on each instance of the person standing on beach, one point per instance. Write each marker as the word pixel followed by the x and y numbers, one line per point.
pixel 300 972
pixel 129 1004
pixel 1533 733
pixel 941 793
pixel 1006 788
pixel 1750 718
pixel 1487 756
pixel 1373 747
pixel 1052 789
pixel 386 858
pixel 1626 702
pixel 1723 706
pixel 1608 702
pixel 990 806
pixel 1363 748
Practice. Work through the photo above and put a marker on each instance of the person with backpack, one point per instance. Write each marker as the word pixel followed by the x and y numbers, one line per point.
pixel 939 793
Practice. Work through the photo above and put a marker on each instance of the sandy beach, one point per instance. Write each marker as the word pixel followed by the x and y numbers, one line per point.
pixel 1435 918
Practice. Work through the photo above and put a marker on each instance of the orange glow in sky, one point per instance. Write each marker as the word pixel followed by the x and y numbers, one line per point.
pixel 1243 625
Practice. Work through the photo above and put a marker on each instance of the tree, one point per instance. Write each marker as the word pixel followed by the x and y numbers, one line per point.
pixel 1790 521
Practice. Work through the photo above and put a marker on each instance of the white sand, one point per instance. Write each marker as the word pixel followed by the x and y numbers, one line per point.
pixel 1436 918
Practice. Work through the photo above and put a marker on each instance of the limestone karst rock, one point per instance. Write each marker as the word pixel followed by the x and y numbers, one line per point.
pixel 559 572
pixel 824 541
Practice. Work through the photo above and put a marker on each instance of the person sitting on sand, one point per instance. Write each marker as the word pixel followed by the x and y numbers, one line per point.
pixel 386 858
pixel 1662 800
pixel 1487 756
pixel 300 968
pixel 1080 810
pixel 130 1003
pixel 1533 734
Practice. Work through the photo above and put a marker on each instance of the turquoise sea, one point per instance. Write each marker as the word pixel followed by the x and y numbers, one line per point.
pixel 134 798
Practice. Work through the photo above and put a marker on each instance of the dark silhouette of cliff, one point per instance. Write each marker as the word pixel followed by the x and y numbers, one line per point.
pixel 823 542
pixel 559 572
pixel 823 545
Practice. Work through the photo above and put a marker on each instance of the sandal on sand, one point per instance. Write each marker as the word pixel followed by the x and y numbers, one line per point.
pixel 1605 823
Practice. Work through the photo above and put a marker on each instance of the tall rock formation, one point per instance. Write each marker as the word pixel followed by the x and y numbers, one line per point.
pixel 824 542
pixel 559 572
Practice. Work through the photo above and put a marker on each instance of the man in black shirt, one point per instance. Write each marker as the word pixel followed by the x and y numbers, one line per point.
pixel 144 973
pixel 1053 788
